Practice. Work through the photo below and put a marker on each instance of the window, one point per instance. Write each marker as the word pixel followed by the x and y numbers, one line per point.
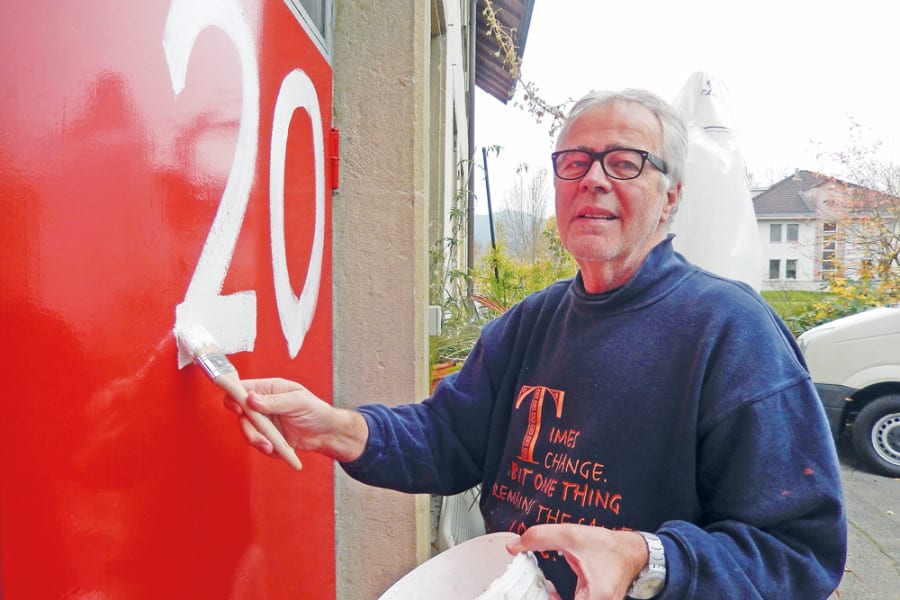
pixel 792 232
pixel 318 14
pixel 829 235
pixel 775 232
pixel 317 11
pixel 774 269
pixel 790 269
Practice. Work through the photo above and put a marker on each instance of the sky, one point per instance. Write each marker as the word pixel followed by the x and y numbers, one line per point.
pixel 796 72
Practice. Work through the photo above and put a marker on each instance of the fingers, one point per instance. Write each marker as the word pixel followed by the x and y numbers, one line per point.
pixel 306 422
pixel 259 402
pixel 267 396
pixel 562 539
pixel 274 385
pixel 254 437
pixel 605 562
pixel 292 402
pixel 278 396
pixel 543 538
pixel 231 405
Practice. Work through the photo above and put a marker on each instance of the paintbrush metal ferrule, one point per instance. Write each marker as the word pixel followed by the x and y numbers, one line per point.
pixel 214 364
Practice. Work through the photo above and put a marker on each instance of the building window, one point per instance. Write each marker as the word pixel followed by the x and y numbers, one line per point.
pixel 792 232
pixel 775 232
pixel 829 244
pixel 790 269
pixel 319 14
pixel 774 269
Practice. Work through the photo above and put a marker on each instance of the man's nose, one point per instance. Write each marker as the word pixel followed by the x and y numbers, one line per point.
pixel 596 178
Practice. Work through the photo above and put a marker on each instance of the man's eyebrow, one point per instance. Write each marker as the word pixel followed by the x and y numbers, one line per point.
pixel 603 149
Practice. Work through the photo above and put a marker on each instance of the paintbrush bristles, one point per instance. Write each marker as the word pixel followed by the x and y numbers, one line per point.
pixel 196 340
pixel 203 349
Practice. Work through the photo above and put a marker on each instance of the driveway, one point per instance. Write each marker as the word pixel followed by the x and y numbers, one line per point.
pixel 873 513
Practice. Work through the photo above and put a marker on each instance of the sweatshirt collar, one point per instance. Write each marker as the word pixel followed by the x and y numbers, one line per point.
pixel 660 272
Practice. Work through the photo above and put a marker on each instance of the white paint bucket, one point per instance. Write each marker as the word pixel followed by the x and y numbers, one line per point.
pixel 478 569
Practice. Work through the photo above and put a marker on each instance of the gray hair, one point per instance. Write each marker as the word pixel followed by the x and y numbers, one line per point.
pixel 674 133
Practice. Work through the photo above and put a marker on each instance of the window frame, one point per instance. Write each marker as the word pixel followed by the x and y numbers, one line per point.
pixel 790 268
pixel 773 228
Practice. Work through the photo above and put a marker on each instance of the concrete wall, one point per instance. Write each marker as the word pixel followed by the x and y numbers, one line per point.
pixel 381 85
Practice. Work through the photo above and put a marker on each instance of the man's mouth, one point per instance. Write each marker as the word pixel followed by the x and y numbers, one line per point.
pixel 603 216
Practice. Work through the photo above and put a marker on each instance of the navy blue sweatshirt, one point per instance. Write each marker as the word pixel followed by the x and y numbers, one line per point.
pixel 677 404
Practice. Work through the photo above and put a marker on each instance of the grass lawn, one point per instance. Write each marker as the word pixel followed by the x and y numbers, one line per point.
pixel 791 303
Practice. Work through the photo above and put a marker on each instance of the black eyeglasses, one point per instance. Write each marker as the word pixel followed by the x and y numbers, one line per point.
pixel 618 163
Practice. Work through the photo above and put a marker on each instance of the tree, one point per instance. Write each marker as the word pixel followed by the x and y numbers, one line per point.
pixel 860 235
pixel 560 263
pixel 865 217
pixel 521 225
pixel 502 280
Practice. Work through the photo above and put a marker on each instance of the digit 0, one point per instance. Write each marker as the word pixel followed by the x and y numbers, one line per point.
pixel 296 314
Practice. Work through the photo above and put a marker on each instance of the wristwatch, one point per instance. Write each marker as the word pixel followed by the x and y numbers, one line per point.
pixel 652 578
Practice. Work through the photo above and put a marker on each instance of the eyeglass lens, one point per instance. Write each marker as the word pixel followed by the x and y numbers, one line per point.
pixel 618 164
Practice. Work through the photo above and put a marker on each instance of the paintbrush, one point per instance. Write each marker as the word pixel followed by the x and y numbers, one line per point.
pixel 205 352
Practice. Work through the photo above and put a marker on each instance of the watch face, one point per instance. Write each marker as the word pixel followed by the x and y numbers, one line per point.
pixel 652 579
pixel 649 585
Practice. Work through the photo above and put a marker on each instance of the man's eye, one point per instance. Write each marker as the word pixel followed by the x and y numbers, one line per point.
pixel 623 165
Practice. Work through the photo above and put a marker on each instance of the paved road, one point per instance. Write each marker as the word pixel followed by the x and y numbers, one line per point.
pixel 873 513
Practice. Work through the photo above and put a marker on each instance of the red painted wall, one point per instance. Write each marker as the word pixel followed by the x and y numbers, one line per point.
pixel 121 475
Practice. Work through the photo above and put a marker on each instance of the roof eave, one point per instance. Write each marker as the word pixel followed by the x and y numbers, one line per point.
pixel 491 74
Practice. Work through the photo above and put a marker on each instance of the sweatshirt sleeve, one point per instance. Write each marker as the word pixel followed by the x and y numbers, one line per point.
pixel 770 488
pixel 438 446
pixel 411 449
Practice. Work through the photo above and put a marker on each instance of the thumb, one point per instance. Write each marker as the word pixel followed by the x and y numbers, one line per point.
pixel 277 403
pixel 259 402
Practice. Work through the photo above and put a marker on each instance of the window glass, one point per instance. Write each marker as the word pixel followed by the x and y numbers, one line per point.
pixel 774 269
pixel 790 269
pixel 316 11
pixel 792 232
pixel 320 15
pixel 829 232
pixel 775 232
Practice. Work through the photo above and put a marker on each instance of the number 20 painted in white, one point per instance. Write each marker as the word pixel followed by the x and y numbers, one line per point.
pixel 231 319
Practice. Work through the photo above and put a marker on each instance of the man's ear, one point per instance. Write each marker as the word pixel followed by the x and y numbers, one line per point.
pixel 672 196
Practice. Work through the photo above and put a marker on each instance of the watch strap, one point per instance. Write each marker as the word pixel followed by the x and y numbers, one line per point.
pixel 652 579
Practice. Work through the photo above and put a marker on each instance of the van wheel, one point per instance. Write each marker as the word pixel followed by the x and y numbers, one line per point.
pixel 876 435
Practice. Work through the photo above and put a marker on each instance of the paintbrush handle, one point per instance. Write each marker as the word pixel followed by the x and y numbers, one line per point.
pixel 231 383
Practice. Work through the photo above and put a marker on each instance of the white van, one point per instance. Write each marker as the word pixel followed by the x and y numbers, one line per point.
pixel 855 364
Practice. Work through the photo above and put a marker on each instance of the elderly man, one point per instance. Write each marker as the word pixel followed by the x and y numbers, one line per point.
pixel 648 428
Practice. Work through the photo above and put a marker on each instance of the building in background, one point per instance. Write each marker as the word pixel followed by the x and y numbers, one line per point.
pixel 811 227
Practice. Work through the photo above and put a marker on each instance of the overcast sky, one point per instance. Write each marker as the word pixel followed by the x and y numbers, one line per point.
pixel 796 70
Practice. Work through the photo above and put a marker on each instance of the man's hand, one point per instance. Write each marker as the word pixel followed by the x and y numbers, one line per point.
pixel 605 561
pixel 306 421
